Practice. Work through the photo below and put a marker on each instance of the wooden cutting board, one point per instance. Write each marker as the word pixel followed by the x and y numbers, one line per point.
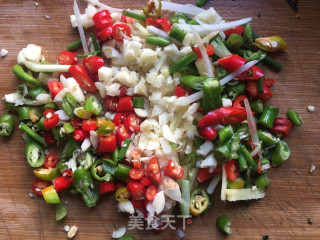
pixel 291 200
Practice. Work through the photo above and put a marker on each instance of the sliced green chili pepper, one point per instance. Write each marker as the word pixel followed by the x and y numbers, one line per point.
pixel 89 54
pixel 34 92
pixel 122 172
pixel 138 102
pixel 223 224
pixel 186 60
pixel 50 105
pixel 294 117
pixel 267 138
pixel 193 82
pixel 173 145
pixel 124 148
pixel 235 91
pixel 92 105
pixel 260 85
pixel 23 113
pixel 234 41
pixel 68 128
pixel 211 95
pixel 35 154
pixel 178 33
pixel 19 71
pixel 68 149
pixel 98 172
pixel 251 56
pixel 190 69
pixel 115 155
pixel 264 161
pixel 86 160
pixel 280 154
pixel 122 194
pixel 247 178
pixel 109 166
pixel 134 15
pixel 242 162
pixel 189 160
pixel 268 116
pixel 40 124
pixel 201 3
pixel 257 106
pixel 46 174
pixel 6 125
pixel 197 142
pixel 94 42
pixel 158 41
pixel 69 103
pixel 262 181
pixel 236 184
pixel 50 195
pixel 225 134
pixel 244 151
pixel 32 134
pixel 84 183
pixel 235 145
pixel 199 201
pixel 74 45
pixel 222 73
pixel 61 211
pixel 222 152
pixel 179 16
pixel 62 165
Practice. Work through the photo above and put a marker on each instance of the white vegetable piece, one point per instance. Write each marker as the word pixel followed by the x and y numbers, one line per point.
pixel 126 207
pixel 101 88
pixel 94 139
pixel 244 194
pixel 119 233
pixel 158 202
pixel 205 148
pixel 171 189
pixel 184 8
pixel 167 134
pixel 72 231
pixel 62 115
pixel 80 27
pixel 85 145
pixel 165 145
pixel 311 108
pixel 59 97
pixel 223 184
pixel 20 58
pixel 73 87
pixel 213 184
pixel 105 75
pixel 209 16
pixel 209 161
pixel 208 28
pixel 3 52
pixel 113 89
pixel 32 53
pixel 226 102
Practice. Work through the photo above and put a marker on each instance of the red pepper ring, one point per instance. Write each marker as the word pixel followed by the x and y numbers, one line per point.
pixel 253 73
pixel 224 115
pixel 239 101
pixel 281 126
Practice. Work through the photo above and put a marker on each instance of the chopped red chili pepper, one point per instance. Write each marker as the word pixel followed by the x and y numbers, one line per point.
pixel 253 73
pixel 208 133
pixel 281 126
pixel 232 62
pixel 204 173
pixel 266 94
pixel 237 30
pixel 224 115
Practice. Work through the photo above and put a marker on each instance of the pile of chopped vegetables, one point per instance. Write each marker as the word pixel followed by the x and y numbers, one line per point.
pixel 178 102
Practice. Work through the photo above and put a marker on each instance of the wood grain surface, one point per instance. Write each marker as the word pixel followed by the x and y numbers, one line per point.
pixel 292 198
